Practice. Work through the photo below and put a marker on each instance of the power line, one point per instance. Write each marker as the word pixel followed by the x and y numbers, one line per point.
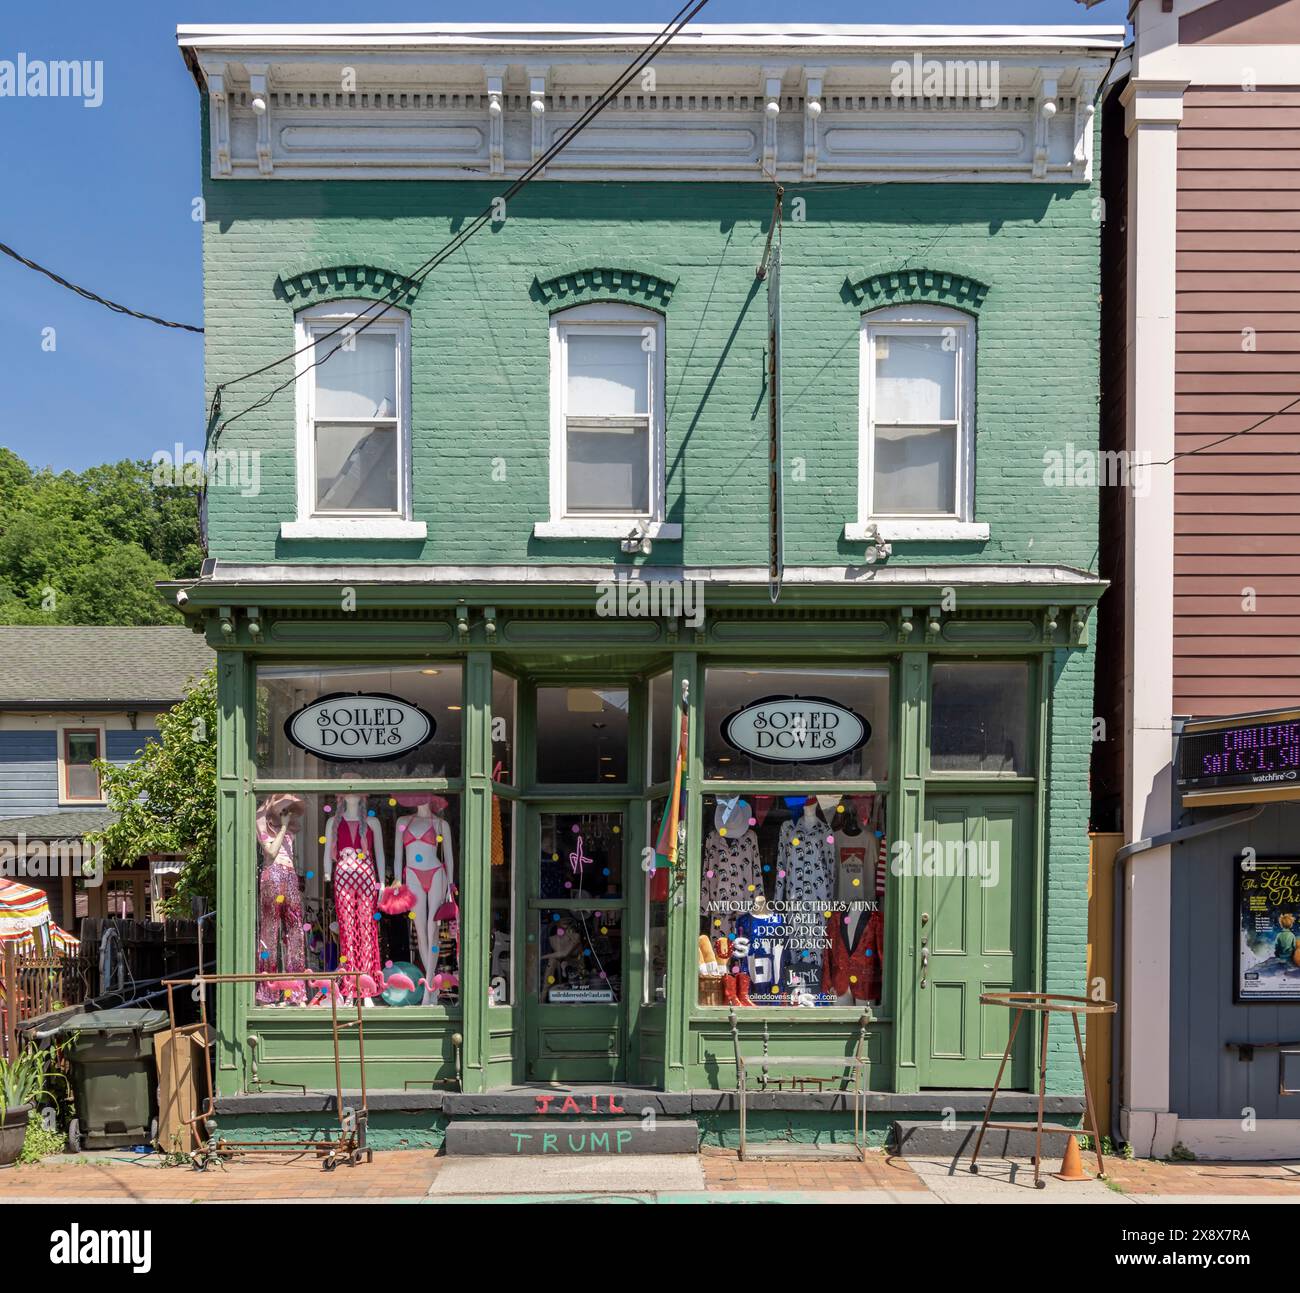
pixel 85 292
pixel 1232 435
pixel 491 211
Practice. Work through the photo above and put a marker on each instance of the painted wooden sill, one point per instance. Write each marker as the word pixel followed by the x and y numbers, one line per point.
pixel 346 528
pixel 897 531
pixel 600 528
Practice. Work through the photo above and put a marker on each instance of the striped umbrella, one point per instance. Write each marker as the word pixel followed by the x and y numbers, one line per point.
pixel 22 911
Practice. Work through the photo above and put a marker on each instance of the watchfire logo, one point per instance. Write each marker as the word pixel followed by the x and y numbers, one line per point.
pixel 77 1247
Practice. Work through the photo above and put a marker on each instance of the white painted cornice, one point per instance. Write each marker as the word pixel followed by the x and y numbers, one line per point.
pixel 804 103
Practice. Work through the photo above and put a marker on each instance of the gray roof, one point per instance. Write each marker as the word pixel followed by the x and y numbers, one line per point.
pixel 72 824
pixel 98 666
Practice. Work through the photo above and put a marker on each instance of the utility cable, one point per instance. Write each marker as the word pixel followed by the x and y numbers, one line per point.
pixel 116 306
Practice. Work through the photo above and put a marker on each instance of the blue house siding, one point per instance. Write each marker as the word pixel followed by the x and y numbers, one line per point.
pixel 29 768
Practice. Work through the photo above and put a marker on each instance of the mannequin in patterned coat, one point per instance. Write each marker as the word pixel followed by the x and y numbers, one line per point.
pixel 805 880
pixel 732 870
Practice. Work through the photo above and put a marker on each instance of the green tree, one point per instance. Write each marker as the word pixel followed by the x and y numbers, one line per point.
pixel 166 799
pixel 88 548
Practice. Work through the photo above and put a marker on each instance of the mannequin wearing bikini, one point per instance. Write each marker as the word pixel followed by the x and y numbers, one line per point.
pixel 424 862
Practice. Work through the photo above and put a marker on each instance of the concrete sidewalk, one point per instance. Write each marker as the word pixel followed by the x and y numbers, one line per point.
pixel 713 1176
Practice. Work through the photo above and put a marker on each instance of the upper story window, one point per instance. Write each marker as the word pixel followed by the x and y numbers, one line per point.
pixel 607 423
pixel 79 778
pixel 354 425
pixel 917 427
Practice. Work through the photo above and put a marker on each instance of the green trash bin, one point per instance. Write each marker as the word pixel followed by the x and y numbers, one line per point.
pixel 114 1077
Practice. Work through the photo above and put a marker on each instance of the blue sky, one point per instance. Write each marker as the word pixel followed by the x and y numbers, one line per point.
pixel 104 196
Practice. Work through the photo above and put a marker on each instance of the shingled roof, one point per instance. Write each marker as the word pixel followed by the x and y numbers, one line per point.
pixel 76 664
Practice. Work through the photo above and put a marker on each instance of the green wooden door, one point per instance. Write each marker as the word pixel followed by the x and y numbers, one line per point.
pixel 576 922
pixel 974 921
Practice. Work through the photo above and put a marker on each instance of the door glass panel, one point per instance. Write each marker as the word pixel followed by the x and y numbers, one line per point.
pixel 581 735
pixel 580 957
pixel 979 716
pixel 582 856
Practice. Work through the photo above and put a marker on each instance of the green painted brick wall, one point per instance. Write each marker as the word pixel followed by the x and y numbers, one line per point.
pixel 480 355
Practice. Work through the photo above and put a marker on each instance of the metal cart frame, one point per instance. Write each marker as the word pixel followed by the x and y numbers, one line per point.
pixel 350 1145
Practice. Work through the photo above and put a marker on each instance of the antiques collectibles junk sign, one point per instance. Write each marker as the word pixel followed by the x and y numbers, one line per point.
pixel 1268 930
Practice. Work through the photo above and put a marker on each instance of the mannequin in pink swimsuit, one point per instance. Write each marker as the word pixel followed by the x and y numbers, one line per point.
pixel 424 862
pixel 354 860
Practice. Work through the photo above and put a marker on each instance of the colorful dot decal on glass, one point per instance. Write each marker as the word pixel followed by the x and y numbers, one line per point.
pixel 853 978
pixel 264 955
pixel 603 975
pixel 550 978
pixel 555 857
pixel 605 871
pixel 439 839
pixel 379 915
pixel 604 929
pixel 618 830
pixel 279 897
pixel 830 839
pixel 575 828
pixel 767 866
pixel 856 882
pixel 311 875
pixel 753 821
pixel 781 874
pixel 717 924
pixel 752 887
pixel 709 874
pixel 586 951
pixel 839 808
pixel 321 840
pixel 329 808
pixel 722 830
pixel 392 803
pixel 795 841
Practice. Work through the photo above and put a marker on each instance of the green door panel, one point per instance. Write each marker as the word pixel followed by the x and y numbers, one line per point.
pixel 974 917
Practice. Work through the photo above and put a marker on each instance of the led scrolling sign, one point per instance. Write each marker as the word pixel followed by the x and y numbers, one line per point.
pixel 1256 752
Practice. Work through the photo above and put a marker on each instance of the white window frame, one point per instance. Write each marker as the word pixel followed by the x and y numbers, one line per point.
pixel 607 318
pixel 63 731
pixel 311 324
pixel 926 320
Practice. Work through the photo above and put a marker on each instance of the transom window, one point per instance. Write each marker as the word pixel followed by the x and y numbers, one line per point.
pixel 607 413
pixel 916 425
pixel 353 434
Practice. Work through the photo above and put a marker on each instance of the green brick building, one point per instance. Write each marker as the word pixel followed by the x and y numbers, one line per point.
pixel 761 406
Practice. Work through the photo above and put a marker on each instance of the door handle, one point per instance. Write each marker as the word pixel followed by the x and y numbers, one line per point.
pixel 925 961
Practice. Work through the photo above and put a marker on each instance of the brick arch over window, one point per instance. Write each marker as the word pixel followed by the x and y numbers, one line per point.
pixel 579 284
pixel 892 284
pixel 311 284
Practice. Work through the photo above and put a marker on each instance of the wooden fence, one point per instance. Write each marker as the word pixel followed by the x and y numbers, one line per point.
pixel 34 984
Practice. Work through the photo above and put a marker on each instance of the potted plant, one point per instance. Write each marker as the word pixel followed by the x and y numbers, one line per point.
pixel 24 1080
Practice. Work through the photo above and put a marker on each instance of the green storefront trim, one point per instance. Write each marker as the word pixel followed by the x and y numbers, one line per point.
pixel 674 1045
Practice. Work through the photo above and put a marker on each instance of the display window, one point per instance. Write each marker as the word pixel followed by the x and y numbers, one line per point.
pixel 388 720
pixel 796 725
pixel 979 716
pixel 662 828
pixel 500 962
pixel 358 882
pixel 662 731
pixel 792 895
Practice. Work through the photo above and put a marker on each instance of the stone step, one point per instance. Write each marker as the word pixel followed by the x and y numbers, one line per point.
pixel 931 1139
pixel 608 1137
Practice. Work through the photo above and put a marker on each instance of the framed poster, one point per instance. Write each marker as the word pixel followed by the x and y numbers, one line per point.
pixel 1267 918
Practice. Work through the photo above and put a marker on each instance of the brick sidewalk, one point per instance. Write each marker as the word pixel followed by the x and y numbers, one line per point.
pixel 1148 1176
pixel 724 1171
pixel 399 1175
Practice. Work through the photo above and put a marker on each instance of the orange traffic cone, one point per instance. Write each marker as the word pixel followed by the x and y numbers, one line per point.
pixel 1072 1163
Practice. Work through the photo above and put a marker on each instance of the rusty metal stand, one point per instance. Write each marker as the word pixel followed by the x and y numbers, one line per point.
pixel 1046 1004
pixel 350 1144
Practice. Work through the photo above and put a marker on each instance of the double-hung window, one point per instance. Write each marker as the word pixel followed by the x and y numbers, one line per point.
pixel 607 424
pixel 353 423
pixel 79 780
pixel 917 401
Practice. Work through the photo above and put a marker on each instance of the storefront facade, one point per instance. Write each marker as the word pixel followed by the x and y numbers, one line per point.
pixel 452 708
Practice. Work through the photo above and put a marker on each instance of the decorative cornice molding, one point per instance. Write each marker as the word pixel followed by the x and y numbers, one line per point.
pixel 646 285
pixel 891 284
pixel 303 285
